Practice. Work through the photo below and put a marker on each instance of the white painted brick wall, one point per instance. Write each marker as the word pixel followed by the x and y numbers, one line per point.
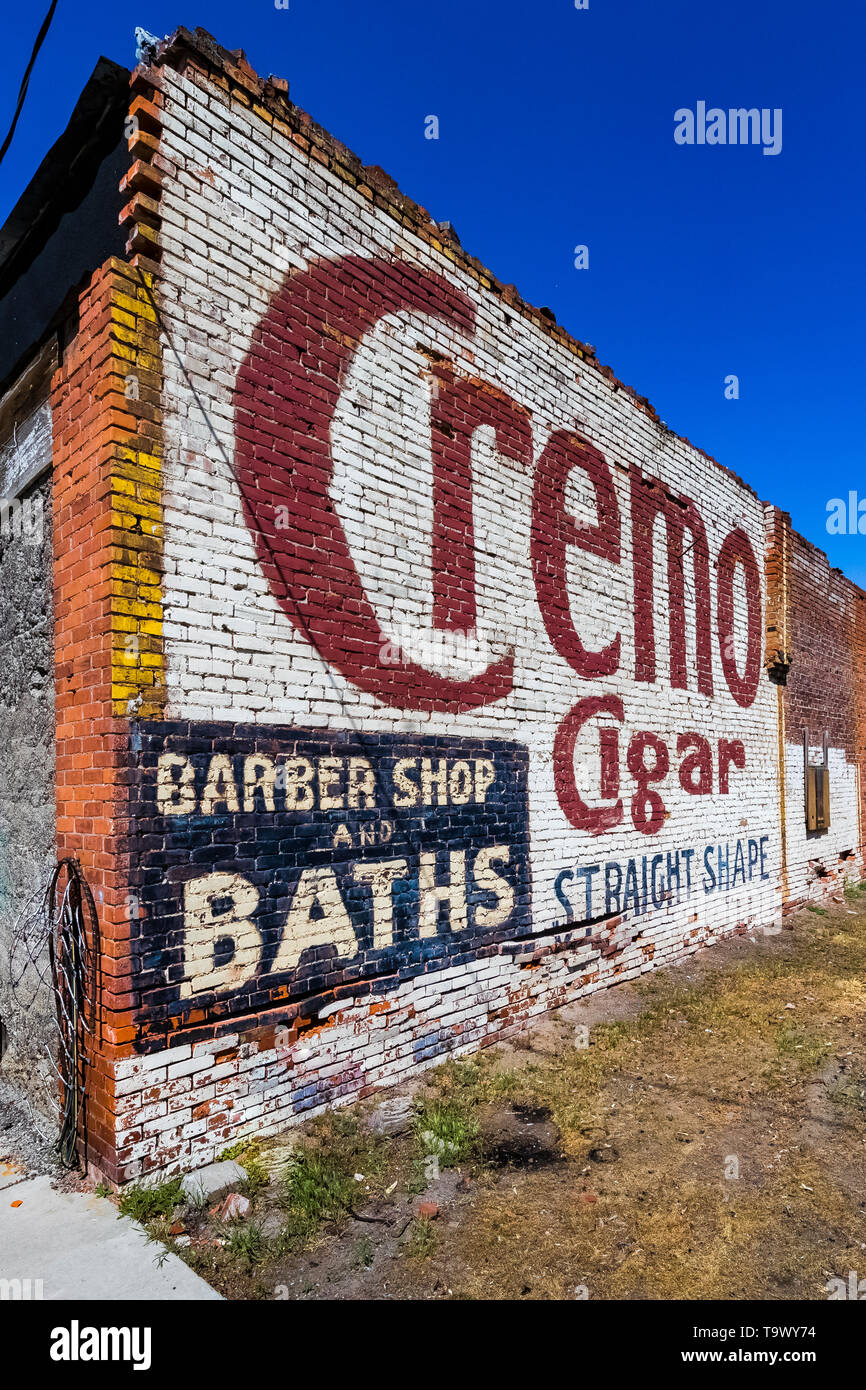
pixel 243 207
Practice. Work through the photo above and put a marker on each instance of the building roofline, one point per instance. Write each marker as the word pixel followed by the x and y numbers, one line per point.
pixel 66 173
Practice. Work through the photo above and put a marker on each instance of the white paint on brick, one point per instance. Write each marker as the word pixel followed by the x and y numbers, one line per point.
pixel 233 654
pixel 814 857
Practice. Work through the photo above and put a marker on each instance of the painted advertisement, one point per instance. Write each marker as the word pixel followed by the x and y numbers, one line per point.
pixel 280 864
pixel 428 526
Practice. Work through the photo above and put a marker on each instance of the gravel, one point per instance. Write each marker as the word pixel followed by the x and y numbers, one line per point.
pixel 27 1136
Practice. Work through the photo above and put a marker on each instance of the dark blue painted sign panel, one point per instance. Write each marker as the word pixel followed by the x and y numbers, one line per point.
pixel 275 864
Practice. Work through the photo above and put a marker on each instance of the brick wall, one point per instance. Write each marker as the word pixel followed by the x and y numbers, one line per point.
pixel 105 475
pixel 825 636
pixel 432 682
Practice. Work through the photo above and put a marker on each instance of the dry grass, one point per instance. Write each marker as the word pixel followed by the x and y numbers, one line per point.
pixel 707 1144
pixel 741 1068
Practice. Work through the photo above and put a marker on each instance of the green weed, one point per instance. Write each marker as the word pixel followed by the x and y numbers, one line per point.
pixel 148 1203
pixel 446 1129
pixel 247 1243
pixel 421 1240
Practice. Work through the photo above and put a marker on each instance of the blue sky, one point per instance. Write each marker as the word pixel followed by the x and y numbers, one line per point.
pixel 556 129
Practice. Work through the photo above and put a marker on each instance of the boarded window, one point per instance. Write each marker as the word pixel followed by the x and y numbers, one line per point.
pixel 817 798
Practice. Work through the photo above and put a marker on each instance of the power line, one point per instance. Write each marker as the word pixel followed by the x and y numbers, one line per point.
pixel 25 81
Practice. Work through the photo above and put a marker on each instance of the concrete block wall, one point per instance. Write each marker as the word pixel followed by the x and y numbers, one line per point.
pixel 27 829
pixel 444 682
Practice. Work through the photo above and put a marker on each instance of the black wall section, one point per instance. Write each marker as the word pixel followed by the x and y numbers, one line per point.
pixel 65 224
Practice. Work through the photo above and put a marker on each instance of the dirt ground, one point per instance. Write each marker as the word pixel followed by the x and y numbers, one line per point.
pixel 697 1134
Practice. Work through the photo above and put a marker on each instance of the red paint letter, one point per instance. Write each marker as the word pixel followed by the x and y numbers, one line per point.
pixel 595 819
pixel 700 762
pixel 553 530
pixel 737 550
pixel 649 499
pixel 731 751
pixel 461 405
pixel 647 807
pixel 285 396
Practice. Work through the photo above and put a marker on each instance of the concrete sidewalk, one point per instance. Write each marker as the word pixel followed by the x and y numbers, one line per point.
pixel 80 1248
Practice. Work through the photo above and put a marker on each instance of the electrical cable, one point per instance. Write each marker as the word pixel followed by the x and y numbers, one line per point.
pixel 25 81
